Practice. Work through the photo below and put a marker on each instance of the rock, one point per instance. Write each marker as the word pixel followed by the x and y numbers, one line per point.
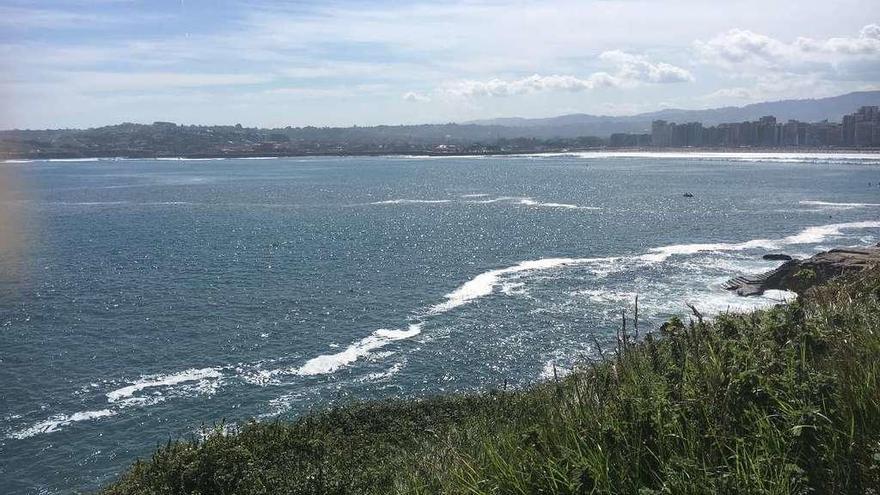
pixel 800 275
pixel 777 257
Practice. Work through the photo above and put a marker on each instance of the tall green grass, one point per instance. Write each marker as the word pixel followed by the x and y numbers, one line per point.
pixel 780 401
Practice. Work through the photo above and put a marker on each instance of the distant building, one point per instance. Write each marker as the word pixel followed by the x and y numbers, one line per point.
pixel 860 129
pixel 661 133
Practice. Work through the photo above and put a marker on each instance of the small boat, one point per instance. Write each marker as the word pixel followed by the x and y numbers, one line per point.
pixel 688 195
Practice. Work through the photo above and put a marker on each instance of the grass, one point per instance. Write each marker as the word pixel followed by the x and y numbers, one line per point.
pixel 780 401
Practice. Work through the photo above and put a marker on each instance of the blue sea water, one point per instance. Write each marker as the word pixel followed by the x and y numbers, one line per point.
pixel 142 299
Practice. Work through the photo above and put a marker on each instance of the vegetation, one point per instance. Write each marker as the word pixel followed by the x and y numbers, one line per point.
pixel 166 139
pixel 785 400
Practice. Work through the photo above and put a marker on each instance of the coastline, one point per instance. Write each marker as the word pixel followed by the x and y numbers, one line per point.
pixel 659 413
pixel 756 153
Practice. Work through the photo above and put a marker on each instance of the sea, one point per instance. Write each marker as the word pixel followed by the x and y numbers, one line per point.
pixel 148 300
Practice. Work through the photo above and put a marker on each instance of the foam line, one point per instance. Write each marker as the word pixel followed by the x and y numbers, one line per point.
pixel 328 363
pixel 810 235
pixel 151 381
pixel 838 205
pixel 832 158
pixel 410 201
pixel 532 202
pixel 484 284
pixel 814 235
pixel 59 421
pixel 527 201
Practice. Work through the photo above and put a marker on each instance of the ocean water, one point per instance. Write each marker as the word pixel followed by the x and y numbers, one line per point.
pixel 150 297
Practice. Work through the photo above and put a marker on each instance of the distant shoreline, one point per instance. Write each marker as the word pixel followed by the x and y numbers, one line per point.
pixel 432 154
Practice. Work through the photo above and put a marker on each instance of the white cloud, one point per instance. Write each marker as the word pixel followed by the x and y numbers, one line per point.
pixel 629 70
pixel 867 43
pixel 765 67
pixel 531 84
pixel 774 86
pixel 744 47
pixel 310 52
pixel 739 45
pixel 638 68
pixel 412 96
pixel 736 93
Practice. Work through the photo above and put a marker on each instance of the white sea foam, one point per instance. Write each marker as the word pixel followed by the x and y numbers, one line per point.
pixel 838 206
pixel 184 159
pixel 329 363
pixel 659 254
pixel 859 158
pixel 495 200
pixel 513 288
pixel 59 421
pixel 604 296
pixel 383 375
pixel 810 235
pixel 201 381
pixel 527 201
pixel 119 203
pixel 484 284
pixel 87 203
pixel 71 160
pixel 469 198
pixel 410 201
pixel 821 233
pixel 539 204
pixel 152 381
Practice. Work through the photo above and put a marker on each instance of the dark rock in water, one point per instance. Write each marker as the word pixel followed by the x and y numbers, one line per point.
pixel 800 275
pixel 777 257
pixel 688 195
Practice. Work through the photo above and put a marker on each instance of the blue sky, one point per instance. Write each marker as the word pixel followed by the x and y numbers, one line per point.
pixel 76 63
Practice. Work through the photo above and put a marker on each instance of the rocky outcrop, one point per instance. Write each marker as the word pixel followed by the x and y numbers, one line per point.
pixel 777 257
pixel 800 275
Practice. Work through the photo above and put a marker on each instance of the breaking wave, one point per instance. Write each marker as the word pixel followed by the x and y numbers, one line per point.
pixel 772 157
pixel 149 388
pixel 410 201
pixel 58 421
pixel 155 381
pixel 838 206
pixel 470 198
pixel 328 363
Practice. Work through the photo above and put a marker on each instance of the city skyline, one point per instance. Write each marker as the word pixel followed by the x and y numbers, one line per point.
pixel 70 63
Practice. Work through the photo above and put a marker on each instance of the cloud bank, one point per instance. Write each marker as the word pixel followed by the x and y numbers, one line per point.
pixel 630 71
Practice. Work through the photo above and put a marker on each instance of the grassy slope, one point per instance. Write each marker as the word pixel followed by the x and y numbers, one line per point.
pixel 785 400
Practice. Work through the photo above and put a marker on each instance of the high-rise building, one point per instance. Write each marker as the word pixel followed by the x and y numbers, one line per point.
pixel 860 129
pixel 661 133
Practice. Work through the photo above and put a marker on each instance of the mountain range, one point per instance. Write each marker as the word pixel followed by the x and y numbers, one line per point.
pixel 511 135
pixel 580 124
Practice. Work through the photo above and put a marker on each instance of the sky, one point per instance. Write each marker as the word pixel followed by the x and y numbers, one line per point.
pixel 85 63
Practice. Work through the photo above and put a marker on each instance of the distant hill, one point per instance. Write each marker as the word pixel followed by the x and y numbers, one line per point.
pixel 511 135
pixel 807 110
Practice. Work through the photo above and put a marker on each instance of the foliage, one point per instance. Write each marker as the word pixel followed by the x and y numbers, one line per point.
pixel 779 401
